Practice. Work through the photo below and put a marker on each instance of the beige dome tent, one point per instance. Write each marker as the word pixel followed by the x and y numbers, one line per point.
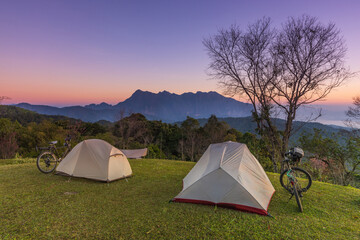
pixel 95 159
pixel 228 175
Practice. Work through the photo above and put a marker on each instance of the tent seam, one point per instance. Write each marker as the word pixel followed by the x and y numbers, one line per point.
pixel 222 157
pixel 199 179
pixel 244 188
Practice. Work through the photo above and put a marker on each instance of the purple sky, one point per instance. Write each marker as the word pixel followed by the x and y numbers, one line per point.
pixel 78 52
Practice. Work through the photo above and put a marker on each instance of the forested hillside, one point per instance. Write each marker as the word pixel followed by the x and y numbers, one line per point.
pixel 22 131
pixel 24 116
pixel 246 124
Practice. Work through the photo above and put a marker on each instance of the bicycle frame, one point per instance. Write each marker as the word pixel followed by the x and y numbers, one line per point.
pixel 52 148
pixel 293 177
pixel 290 176
pixel 48 158
pixel 67 150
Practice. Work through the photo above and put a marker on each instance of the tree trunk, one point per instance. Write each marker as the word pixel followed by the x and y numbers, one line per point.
pixel 287 133
pixel 273 159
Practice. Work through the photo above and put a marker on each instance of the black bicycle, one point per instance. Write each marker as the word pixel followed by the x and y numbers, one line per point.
pixel 294 179
pixel 47 160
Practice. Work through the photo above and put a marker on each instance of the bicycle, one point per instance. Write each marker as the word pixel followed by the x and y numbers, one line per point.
pixel 47 160
pixel 294 179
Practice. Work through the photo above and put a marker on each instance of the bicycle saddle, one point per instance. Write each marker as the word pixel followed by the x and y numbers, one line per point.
pixel 53 142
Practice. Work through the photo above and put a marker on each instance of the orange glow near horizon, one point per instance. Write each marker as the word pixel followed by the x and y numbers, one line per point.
pixel 78 90
pixel 57 95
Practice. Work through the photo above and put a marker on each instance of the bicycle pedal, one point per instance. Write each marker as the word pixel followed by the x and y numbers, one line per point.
pixel 291 197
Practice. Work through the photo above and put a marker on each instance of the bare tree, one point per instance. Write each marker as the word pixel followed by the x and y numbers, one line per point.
pixel 244 65
pixel 2 98
pixel 354 116
pixel 278 69
pixel 8 145
pixel 132 128
pixel 215 131
pixel 311 60
pixel 120 127
pixel 189 128
pixel 8 138
pixel 354 111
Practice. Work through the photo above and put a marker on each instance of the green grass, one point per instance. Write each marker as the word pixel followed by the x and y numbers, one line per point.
pixel 38 206
pixel 17 161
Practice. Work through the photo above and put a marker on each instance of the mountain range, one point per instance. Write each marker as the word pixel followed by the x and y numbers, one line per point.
pixel 165 106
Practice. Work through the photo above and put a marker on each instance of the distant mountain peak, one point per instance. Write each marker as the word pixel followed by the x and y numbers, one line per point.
pixel 139 92
pixel 165 93
pixel 23 104
pixel 100 106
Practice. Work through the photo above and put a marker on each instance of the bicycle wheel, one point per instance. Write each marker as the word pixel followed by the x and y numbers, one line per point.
pixel 46 162
pixel 297 197
pixel 303 179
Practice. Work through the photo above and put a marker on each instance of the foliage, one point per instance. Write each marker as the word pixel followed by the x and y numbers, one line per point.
pixel 331 160
pixel 17 160
pixel 215 131
pixel 190 137
pixel 24 116
pixel 258 148
pixel 8 143
pixel 38 206
pixel 39 135
pixel 155 152
pixel 187 141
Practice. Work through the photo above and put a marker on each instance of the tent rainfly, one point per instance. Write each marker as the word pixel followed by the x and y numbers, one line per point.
pixel 135 153
pixel 95 159
pixel 228 175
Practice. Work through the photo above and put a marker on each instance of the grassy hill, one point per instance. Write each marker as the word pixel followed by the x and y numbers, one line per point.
pixel 38 206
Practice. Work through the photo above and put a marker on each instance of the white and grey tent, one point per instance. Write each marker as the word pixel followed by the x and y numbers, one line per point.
pixel 95 159
pixel 135 153
pixel 228 175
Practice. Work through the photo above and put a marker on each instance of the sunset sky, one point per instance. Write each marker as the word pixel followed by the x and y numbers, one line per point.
pixel 74 52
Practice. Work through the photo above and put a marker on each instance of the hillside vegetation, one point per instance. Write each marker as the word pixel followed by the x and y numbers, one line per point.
pixel 38 206
pixel 24 116
pixel 247 124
